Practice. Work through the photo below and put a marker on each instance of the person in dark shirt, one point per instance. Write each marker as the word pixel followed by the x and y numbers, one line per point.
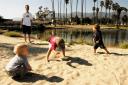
pixel 97 38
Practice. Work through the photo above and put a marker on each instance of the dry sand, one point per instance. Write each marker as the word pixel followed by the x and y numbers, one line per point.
pixel 81 68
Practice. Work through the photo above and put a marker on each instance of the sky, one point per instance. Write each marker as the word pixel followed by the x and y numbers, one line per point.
pixel 15 8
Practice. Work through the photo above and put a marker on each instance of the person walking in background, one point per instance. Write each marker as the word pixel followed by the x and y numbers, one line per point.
pixel 26 23
pixel 97 38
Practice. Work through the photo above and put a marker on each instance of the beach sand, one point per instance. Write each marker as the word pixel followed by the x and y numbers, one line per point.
pixel 81 67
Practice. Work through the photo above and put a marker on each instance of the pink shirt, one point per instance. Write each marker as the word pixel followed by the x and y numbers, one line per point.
pixel 52 42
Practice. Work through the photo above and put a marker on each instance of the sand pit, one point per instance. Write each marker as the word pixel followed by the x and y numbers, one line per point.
pixel 81 67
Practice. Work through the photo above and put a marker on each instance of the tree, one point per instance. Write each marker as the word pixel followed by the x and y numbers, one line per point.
pixel 110 7
pixel 53 9
pixel 58 9
pixel 1 19
pixel 66 2
pixel 94 9
pixel 82 5
pixel 76 8
pixel 101 5
pixel 85 8
pixel 106 8
pixel 97 12
pixel 125 19
pixel 71 2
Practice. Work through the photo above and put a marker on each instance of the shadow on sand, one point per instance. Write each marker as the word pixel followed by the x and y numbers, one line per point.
pixel 76 60
pixel 117 54
pixel 34 49
pixel 33 77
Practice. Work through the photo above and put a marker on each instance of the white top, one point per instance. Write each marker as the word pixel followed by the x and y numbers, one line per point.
pixel 27 17
pixel 15 62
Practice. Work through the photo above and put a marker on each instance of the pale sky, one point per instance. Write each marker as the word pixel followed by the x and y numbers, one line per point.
pixel 15 8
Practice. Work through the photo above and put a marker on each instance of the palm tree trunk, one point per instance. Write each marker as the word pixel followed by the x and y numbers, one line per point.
pixel 71 8
pixel 82 4
pixel 76 7
pixel 85 8
pixel 101 16
pixel 58 9
pixel 66 13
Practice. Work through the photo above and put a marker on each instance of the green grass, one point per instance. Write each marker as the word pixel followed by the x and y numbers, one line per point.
pixel 13 34
pixel 124 45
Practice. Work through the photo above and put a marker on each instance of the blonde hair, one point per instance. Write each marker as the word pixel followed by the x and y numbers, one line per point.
pixel 18 49
pixel 97 27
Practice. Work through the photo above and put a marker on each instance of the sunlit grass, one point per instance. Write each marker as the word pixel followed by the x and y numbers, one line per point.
pixel 13 34
pixel 124 45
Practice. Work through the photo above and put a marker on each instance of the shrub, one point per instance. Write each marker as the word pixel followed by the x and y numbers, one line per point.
pixel 124 45
pixel 2 31
pixel 12 34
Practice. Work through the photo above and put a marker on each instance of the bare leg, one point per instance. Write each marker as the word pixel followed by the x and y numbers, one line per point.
pixel 94 50
pixel 29 38
pixel 25 37
pixel 63 51
pixel 48 54
pixel 107 51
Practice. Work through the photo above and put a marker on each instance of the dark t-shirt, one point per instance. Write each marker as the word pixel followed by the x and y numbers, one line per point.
pixel 97 36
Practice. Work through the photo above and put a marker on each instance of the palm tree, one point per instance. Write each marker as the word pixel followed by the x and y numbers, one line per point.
pixel 82 5
pixel 110 7
pixel 85 8
pixel 97 12
pixel 53 9
pixel 101 5
pixel 66 2
pixel 118 10
pixel 106 8
pixel 94 9
pixel 58 9
pixel 76 8
pixel 113 8
pixel 71 2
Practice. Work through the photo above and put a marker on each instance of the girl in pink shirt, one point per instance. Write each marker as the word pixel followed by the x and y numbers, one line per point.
pixel 57 46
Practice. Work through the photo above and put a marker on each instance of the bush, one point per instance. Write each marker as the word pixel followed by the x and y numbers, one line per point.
pixel 124 45
pixel 2 31
pixel 12 34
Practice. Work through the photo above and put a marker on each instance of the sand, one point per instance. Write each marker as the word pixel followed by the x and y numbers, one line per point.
pixel 82 67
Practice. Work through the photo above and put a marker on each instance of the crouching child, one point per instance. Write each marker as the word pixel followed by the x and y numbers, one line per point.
pixel 56 47
pixel 18 66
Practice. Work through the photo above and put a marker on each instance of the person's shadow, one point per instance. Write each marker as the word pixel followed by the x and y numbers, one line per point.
pixel 113 53
pixel 33 77
pixel 76 60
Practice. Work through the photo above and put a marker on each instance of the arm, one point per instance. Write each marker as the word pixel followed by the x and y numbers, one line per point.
pixel 29 68
pixel 21 23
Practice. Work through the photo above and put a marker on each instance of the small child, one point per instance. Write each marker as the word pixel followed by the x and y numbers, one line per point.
pixel 57 47
pixel 18 65
pixel 97 38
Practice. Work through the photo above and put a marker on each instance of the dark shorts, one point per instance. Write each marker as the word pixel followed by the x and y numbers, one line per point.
pixel 26 29
pixel 101 45
pixel 19 71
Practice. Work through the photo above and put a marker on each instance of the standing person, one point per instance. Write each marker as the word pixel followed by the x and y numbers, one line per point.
pixel 27 23
pixel 97 38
